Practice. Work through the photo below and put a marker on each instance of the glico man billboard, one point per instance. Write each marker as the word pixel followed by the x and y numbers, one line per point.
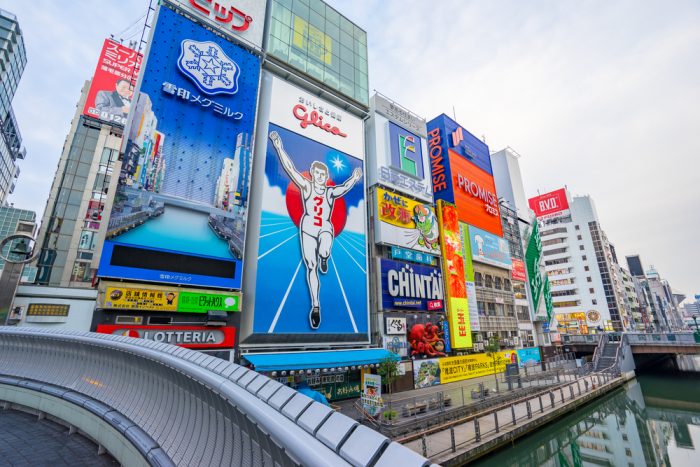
pixel 461 174
pixel 112 87
pixel 311 274
pixel 397 155
pixel 180 208
pixel 550 205
pixel 406 223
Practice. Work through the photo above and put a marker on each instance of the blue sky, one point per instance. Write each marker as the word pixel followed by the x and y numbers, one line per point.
pixel 599 96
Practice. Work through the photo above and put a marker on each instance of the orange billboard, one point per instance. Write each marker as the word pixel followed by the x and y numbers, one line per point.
pixel 475 195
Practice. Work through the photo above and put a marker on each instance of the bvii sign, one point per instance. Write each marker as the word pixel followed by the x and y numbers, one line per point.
pixel 553 204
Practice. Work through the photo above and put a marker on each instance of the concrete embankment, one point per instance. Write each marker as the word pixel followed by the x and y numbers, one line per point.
pixel 465 440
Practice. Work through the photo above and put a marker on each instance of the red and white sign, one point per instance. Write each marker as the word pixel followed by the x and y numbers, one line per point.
pixel 518 272
pixel 109 97
pixel 308 115
pixel 552 204
pixel 191 337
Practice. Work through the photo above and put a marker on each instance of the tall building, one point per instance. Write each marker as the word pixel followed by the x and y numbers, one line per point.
pixel 13 59
pixel 73 214
pixel 12 221
pixel 580 265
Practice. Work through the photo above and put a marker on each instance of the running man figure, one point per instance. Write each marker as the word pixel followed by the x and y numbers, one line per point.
pixel 315 229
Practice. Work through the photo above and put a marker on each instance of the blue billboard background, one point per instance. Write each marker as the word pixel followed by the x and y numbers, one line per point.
pixel 409 297
pixel 406 151
pixel 183 183
pixel 458 139
pixel 529 356
pixel 489 248
pixel 282 300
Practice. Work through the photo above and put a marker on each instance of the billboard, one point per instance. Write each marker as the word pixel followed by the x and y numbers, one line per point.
pixel 529 356
pixel 112 87
pixel 426 373
pixel 518 272
pixel 406 223
pixel 489 249
pixel 539 284
pixel 426 335
pixel 410 286
pixel 398 154
pixel 311 275
pixel 241 20
pixel 173 299
pixel 453 268
pixel 415 256
pixel 450 135
pixel 550 205
pixel 180 209
pixel 475 365
pixel 191 337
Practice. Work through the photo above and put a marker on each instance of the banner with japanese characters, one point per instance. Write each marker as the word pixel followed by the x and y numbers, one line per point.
pixel 181 205
pixel 406 223
pixel 112 86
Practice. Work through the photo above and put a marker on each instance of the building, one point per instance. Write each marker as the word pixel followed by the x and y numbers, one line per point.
pixel 13 59
pixel 580 264
pixel 13 221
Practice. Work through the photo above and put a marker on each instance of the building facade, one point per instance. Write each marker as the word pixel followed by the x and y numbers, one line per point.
pixel 13 221
pixel 13 59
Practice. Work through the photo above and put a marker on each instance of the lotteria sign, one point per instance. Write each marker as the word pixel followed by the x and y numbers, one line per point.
pixel 192 337
pixel 549 205
pixel 410 286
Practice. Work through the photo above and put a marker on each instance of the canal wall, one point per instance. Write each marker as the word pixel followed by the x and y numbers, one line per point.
pixel 483 433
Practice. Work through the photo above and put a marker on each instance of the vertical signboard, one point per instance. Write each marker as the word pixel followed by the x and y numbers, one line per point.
pixel 539 284
pixel 178 214
pixel 112 86
pixel 397 149
pixel 311 276
pixel 453 273
pixel 406 223
pixel 474 323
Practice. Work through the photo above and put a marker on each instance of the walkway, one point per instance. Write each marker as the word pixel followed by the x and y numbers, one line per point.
pixel 26 441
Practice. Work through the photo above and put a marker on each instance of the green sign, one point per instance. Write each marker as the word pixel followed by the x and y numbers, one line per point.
pixel 539 284
pixel 195 302
pixel 467 252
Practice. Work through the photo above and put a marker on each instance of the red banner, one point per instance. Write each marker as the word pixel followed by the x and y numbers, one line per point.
pixel 112 87
pixel 518 272
pixel 549 204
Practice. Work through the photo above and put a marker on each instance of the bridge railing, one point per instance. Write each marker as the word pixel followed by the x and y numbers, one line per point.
pixel 674 338
pixel 190 408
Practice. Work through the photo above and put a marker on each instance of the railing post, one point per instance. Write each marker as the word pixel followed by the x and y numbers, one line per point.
pixel 477 433
pixel 571 390
pixel 452 438
pixel 561 392
pixel 551 397
pixel 463 404
pixel 529 409
pixel 424 446
pixel 541 406
pixel 512 412
pixel 495 418
pixel 578 384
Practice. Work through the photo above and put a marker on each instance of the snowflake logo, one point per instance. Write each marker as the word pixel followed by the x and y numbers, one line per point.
pixel 208 66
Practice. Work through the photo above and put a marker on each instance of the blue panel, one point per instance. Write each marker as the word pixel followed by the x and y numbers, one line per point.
pixel 183 183
pixel 312 360
pixel 439 161
pixel 411 286
pixel 462 142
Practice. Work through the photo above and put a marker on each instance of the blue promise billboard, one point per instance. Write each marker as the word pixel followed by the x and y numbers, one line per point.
pixel 180 208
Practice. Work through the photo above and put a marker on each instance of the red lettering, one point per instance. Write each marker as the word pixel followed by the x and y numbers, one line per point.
pixel 314 119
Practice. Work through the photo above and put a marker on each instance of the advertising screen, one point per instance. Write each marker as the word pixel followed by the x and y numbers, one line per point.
pixel 489 249
pixel 110 94
pixel 549 205
pixel 398 155
pixel 410 286
pixel 529 356
pixel 472 366
pixel 181 205
pixel 518 272
pixel 453 268
pixel 311 276
pixel 406 223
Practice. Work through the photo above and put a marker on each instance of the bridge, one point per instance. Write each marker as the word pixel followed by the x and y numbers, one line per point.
pixel 149 403
pixel 684 343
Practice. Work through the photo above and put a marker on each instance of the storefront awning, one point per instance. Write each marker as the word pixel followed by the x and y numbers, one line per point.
pixel 313 360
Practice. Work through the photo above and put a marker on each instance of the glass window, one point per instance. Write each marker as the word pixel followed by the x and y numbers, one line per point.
pixel 488 281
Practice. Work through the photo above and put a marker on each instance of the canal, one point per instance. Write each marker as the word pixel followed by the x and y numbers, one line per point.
pixel 653 420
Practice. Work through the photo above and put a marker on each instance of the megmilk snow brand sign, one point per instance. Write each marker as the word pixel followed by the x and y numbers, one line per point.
pixel 186 150
pixel 311 276
pixel 550 205
pixel 241 20
pixel 410 286
pixel 191 337
pixel 489 249
pixel 112 87
pixel 398 156
pixel 404 222
pixel 461 174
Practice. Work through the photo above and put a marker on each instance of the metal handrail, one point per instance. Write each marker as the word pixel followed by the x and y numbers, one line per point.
pixel 200 409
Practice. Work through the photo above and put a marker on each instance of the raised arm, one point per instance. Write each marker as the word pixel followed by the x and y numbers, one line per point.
pixel 286 161
pixel 340 190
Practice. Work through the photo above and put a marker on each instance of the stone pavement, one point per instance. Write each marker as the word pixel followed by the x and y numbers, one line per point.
pixel 26 441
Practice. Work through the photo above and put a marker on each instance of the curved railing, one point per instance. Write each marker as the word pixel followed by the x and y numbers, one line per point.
pixel 188 407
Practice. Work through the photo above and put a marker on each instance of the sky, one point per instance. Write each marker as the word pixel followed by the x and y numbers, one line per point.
pixel 601 97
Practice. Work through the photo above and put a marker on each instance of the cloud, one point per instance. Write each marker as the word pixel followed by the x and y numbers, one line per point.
pixel 273 199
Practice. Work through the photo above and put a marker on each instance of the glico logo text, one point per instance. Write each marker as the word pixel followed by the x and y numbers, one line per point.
pixel 315 119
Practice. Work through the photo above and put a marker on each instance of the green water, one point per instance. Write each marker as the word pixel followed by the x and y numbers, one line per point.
pixel 654 420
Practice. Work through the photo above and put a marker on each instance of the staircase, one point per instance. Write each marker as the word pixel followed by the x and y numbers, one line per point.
pixel 606 354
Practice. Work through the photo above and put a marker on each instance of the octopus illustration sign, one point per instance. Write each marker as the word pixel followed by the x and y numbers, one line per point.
pixel 406 223
pixel 312 228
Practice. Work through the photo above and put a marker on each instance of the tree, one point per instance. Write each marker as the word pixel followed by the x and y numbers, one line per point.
pixel 492 350
pixel 388 369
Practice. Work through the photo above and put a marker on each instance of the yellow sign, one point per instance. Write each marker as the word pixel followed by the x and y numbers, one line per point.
pixel 398 210
pixel 317 44
pixel 47 309
pixel 140 299
pixel 475 365
pixel 460 329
